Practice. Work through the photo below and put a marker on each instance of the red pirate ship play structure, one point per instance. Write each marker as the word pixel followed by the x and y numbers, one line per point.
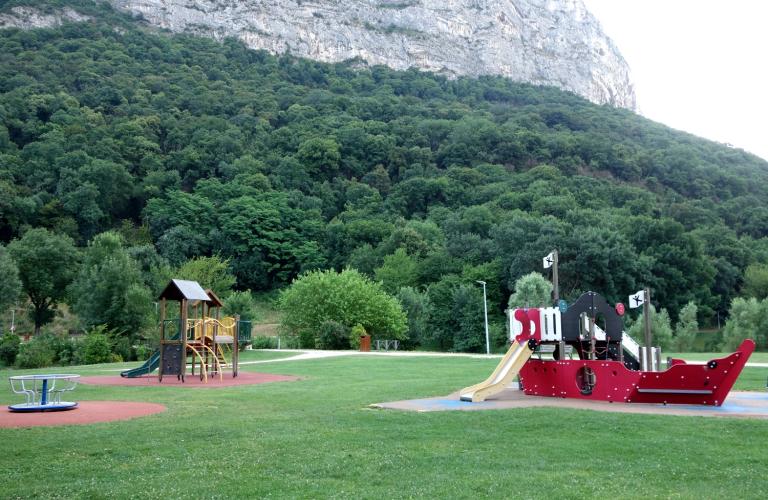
pixel 609 364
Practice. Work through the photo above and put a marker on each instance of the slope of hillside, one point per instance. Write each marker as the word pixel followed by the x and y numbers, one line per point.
pixel 287 164
pixel 548 42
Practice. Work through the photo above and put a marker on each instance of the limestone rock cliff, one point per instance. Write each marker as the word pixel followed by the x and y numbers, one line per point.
pixel 31 17
pixel 549 42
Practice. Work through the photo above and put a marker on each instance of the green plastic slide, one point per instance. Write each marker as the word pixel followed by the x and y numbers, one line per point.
pixel 148 367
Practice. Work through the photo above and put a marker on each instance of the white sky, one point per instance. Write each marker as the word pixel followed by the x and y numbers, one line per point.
pixel 698 65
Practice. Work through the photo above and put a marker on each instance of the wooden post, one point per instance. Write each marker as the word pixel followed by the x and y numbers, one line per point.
pixel 648 340
pixel 621 353
pixel 214 345
pixel 162 338
pixel 183 334
pixel 235 346
pixel 555 287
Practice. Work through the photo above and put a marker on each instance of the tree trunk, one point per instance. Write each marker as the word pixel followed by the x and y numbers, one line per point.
pixel 37 329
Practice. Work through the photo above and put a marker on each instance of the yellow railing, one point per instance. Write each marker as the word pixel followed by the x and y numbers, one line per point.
pixel 208 327
pixel 202 331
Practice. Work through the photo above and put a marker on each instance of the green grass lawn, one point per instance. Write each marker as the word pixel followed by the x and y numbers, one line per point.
pixel 318 438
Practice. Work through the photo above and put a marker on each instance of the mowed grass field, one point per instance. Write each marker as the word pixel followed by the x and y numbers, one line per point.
pixel 319 438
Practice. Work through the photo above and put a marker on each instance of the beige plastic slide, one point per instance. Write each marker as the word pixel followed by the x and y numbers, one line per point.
pixel 513 361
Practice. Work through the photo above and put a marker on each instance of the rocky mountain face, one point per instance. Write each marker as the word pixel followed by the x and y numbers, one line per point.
pixel 547 42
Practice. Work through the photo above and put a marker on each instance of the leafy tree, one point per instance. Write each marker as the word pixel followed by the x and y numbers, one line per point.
pixel 441 296
pixel 491 273
pixel 418 308
pixel 10 284
pixel 756 281
pixel 109 288
pixel 47 263
pixel 748 319
pixel 319 156
pixel 347 298
pixel 686 328
pixel 399 270
pixel 661 331
pixel 365 259
pixel 210 272
pixel 468 316
pixel 532 289
pixel 240 303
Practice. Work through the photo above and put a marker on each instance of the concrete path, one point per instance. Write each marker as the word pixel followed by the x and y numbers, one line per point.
pixel 316 354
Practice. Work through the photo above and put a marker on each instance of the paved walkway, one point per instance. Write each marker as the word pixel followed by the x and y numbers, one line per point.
pixel 316 354
pixel 313 354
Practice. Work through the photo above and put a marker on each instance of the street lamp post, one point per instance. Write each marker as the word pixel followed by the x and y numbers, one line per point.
pixel 485 303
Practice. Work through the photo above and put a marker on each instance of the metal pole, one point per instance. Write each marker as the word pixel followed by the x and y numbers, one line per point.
pixel 485 303
pixel 647 311
pixel 13 318
pixel 554 279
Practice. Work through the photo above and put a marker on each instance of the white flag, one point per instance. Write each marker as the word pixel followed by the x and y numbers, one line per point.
pixel 637 299
pixel 549 260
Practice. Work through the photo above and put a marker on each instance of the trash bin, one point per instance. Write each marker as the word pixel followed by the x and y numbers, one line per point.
pixel 365 343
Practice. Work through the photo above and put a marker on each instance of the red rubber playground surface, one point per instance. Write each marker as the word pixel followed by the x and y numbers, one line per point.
pixel 243 378
pixel 86 412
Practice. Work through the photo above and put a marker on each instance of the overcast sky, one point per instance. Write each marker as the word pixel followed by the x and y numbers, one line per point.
pixel 698 66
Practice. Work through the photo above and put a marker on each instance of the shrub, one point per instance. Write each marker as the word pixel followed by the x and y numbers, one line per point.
pixel 354 336
pixel 264 342
pixel 290 342
pixel 661 331
pixel 685 331
pixel 65 350
pixel 35 354
pixel 241 303
pixel 348 298
pixel 123 348
pixel 532 288
pixel 333 336
pixel 748 319
pixel 143 352
pixel 307 338
pixel 98 346
pixel 418 309
pixel 115 358
pixel 9 348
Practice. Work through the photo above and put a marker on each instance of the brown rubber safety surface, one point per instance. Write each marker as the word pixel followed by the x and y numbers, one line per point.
pixel 736 405
pixel 243 378
pixel 86 412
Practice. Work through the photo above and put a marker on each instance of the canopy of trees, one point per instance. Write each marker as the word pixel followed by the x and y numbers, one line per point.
pixel 193 148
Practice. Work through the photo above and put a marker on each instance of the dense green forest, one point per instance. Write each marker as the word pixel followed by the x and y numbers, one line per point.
pixel 187 147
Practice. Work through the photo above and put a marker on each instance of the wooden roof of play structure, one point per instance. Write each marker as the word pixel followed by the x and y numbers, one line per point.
pixel 181 289
pixel 213 300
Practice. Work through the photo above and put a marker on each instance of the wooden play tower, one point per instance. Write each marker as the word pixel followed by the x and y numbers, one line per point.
pixel 205 339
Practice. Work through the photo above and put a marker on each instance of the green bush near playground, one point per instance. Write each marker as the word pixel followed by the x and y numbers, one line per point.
pixel 347 298
pixel 333 336
pixel 9 348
